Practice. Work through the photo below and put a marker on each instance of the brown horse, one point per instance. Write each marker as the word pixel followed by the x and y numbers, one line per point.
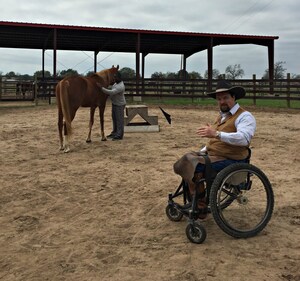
pixel 73 92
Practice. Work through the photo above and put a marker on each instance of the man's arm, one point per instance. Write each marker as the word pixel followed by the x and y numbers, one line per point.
pixel 245 129
pixel 116 89
pixel 245 126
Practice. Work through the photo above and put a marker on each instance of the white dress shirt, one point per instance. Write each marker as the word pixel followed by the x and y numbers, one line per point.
pixel 245 125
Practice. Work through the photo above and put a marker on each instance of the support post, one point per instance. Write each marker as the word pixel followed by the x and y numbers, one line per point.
pixel 210 64
pixel 54 51
pixel 254 89
pixel 137 63
pixel 271 66
pixel 288 88
pixel 95 60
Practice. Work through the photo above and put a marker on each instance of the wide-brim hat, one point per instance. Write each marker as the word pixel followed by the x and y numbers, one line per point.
pixel 225 86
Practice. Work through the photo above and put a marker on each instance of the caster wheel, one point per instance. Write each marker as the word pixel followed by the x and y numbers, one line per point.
pixel 173 214
pixel 195 232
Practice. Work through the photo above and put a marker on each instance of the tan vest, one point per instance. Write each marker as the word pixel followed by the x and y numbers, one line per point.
pixel 216 147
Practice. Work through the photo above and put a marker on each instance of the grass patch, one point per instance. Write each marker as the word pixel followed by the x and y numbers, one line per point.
pixel 208 102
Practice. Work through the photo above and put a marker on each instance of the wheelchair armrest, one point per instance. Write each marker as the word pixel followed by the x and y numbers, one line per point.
pixel 249 154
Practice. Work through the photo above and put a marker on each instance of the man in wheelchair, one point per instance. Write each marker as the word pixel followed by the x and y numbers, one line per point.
pixel 229 140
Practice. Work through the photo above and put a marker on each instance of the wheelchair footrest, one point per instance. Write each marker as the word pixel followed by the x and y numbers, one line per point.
pixel 187 211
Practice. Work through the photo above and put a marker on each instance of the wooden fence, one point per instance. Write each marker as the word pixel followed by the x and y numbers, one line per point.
pixel 280 89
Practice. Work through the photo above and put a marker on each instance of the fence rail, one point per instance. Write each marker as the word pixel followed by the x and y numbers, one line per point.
pixel 280 89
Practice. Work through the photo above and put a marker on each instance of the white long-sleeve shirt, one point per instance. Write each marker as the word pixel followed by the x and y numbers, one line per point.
pixel 116 94
pixel 245 128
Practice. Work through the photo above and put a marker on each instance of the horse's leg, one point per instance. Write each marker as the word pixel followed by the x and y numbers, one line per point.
pixel 60 117
pixel 67 134
pixel 66 139
pixel 101 115
pixel 60 129
pixel 92 113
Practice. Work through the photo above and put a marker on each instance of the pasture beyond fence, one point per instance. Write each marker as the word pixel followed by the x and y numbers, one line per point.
pixel 287 90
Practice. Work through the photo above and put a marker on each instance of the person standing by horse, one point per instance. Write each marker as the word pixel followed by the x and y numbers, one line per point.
pixel 117 96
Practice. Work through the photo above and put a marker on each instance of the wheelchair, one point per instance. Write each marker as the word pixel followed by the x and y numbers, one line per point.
pixel 239 197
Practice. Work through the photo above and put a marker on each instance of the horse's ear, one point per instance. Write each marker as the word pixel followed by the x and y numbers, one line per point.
pixel 113 66
pixel 117 66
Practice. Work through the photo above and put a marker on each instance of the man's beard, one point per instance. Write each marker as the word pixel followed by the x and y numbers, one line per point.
pixel 224 108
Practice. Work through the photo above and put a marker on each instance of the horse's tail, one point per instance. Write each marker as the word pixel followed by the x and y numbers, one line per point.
pixel 65 105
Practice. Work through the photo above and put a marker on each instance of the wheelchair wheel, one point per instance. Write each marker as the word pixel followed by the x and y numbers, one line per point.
pixel 241 200
pixel 173 214
pixel 195 232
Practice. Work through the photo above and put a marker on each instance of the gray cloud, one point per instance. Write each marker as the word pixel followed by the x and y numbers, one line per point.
pixel 264 17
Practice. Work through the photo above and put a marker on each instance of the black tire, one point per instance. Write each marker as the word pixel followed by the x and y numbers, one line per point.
pixel 195 232
pixel 249 205
pixel 173 214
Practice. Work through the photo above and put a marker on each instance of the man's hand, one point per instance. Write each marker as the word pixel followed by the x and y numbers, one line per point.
pixel 207 131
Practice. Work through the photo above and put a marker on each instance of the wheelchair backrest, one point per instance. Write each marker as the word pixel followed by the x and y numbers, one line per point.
pixel 249 154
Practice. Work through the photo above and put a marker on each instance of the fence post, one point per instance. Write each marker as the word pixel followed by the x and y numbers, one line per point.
pixel 288 87
pixel 35 90
pixel 49 93
pixel 254 89
pixel 0 87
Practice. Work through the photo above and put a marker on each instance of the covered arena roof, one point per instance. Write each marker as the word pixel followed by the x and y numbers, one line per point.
pixel 103 39
pixel 81 38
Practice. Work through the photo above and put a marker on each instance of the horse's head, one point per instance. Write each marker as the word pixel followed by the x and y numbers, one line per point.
pixel 112 71
pixel 108 75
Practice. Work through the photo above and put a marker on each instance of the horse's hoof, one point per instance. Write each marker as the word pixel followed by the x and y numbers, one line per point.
pixel 105 139
pixel 66 150
pixel 88 141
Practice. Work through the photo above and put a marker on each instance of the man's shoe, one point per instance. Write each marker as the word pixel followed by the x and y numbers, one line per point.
pixel 116 138
pixel 110 136
pixel 202 209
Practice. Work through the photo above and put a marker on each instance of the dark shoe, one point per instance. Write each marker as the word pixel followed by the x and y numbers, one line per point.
pixel 110 136
pixel 116 138
pixel 202 209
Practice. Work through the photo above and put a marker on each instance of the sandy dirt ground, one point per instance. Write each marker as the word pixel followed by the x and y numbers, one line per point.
pixel 98 212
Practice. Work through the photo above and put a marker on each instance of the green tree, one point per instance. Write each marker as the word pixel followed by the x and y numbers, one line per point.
pixel 11 74
pixel 183 74
pixel 90 73
pixel 68 72
pixel 157 75
pixel 195 75
pixel 39 73
pixel 215 74
pixel 127 72
pixel 234 71
pixel 171 75
pixel 25 77
pixel 279 71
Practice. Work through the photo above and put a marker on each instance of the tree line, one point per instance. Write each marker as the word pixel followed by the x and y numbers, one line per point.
pixel 232 72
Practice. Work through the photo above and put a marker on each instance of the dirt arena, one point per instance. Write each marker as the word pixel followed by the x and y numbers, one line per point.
pixel 98 212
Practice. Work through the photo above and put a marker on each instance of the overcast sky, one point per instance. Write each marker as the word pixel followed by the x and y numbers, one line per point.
pixel 252 17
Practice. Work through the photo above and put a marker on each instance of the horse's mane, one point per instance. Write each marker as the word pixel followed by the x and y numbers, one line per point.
pixel 102 75
pixel 98 78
